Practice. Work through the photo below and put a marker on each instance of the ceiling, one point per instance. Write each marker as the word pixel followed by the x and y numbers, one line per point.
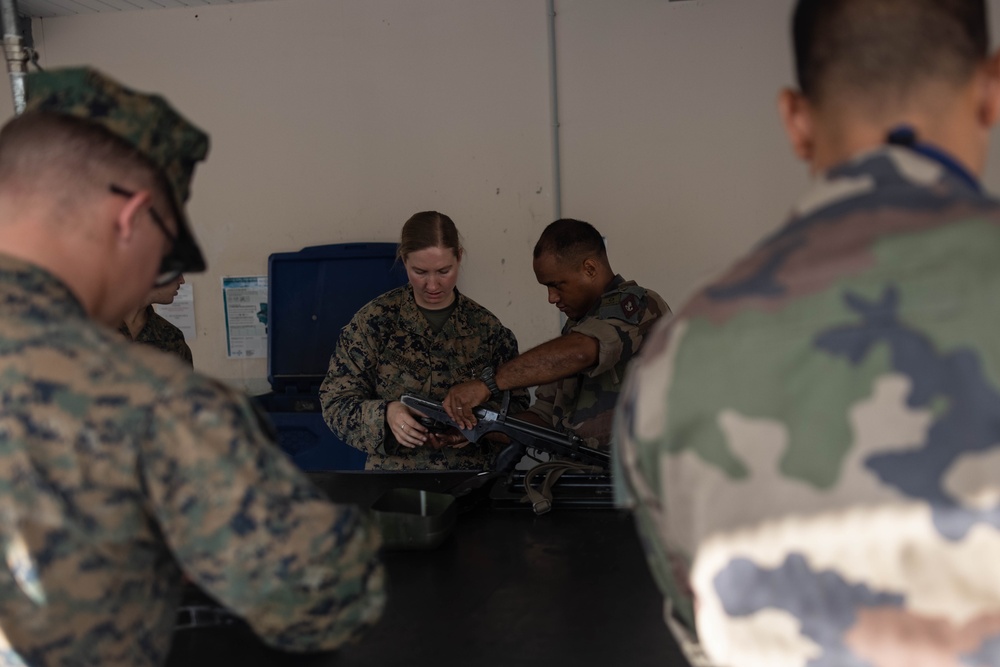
pixel 49 8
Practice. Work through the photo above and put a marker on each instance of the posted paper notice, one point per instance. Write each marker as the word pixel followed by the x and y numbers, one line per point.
pixel 245 302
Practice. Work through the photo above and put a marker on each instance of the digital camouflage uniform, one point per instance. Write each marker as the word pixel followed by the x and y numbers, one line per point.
pixel 813 444
pixel 161 334
pixel 121 471
pixel 388 349
pixel 584 403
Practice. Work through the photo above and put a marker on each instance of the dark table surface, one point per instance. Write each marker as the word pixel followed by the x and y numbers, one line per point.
pixel 507 588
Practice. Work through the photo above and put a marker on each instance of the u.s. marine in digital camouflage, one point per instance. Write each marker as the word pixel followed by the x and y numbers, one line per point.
pixel 812 446
pixel 122 472
pixel 161 334
pixel 584 403
pixel 389 349
pixel 145 325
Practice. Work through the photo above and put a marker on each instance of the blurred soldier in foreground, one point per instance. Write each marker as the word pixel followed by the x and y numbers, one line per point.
pixel 813 445
pixel 121 470
pixel 145 325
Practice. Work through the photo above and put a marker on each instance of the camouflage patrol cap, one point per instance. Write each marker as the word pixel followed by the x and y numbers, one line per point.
pixel 145 121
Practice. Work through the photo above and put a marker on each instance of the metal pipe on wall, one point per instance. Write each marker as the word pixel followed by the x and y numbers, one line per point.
pixel 554 111
pixel 14 52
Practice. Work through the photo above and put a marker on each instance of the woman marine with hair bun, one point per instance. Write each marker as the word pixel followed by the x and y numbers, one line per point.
pixel 420 339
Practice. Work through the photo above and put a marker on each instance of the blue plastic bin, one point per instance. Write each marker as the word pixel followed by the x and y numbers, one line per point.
pixel 312 294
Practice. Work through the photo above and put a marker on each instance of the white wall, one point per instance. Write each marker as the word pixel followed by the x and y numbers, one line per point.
pixel 671 140
pixel 671 137
pixel 334 120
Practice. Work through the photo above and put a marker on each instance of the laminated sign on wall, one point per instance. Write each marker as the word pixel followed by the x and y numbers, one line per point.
pixel 244 300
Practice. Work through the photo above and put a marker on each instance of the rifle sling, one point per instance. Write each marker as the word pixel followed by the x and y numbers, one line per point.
pixel 541 501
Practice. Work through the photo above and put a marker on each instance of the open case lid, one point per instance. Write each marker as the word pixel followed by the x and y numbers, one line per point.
pixel 311 295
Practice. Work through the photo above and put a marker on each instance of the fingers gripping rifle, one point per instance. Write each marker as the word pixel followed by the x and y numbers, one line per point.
pixel 522 434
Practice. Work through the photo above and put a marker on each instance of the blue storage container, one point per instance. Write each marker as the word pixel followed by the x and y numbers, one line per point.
pixel 311 295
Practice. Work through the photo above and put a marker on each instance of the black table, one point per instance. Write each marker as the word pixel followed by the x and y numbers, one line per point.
pixel 506 589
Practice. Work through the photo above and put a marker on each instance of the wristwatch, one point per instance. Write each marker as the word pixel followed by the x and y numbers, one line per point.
pixel 489 378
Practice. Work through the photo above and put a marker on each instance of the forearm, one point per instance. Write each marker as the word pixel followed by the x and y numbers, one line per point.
pixel 556 359
pixel 357 419
pixel 265 542
pixel 504 350
pixel 322 556
pixel 343 575
pixel 359 423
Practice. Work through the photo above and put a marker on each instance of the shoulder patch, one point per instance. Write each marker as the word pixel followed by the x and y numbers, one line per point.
pixel 628 304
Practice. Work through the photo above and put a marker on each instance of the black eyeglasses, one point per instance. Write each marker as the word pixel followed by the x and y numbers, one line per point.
pixel 171 265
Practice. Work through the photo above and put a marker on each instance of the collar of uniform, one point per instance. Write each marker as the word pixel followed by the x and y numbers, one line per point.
pixel 885 167
pixel 26 288
pixel 612 286
pixel 415 322
pixel 906 137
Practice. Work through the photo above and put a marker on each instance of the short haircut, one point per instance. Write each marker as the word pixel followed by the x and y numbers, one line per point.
pixel 886 47
pixel 429 229
pixel 569 239
pixel 65 157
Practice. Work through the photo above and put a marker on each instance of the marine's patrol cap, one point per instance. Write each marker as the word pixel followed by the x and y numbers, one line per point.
pixel 145 121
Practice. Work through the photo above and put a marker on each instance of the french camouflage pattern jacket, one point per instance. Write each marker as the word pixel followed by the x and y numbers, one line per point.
pixel 122 472
pixel 161 334
pixel 584 403
pixel 812 446
pixel 388 349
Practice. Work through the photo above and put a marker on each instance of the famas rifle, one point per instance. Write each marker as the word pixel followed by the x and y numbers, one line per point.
pixel 522 434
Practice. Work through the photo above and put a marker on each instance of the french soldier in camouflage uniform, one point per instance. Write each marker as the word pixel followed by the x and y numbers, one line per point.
pixel 812 446
pixel 122 472
pixel 153 329
pixel 581 372
pixel 417 339
pixel 584 403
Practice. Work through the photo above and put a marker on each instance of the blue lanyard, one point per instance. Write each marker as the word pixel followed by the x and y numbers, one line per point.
pixel 905 136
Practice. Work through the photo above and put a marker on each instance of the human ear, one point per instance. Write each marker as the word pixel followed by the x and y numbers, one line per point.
pixel 797 119
pixel 989 101
pixel 126 217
